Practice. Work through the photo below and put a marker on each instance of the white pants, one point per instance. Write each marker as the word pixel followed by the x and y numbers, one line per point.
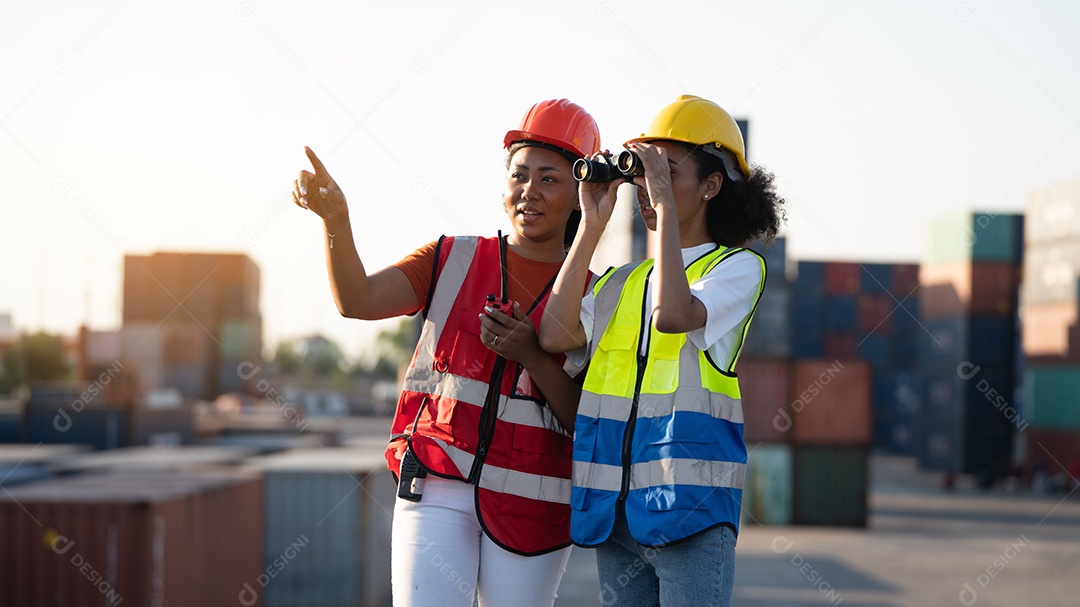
pixel 441 556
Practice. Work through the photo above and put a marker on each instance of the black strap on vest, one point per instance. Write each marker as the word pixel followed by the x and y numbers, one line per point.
pixel 502 269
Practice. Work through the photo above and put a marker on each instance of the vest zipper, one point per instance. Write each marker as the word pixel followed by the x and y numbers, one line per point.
pixel 642 360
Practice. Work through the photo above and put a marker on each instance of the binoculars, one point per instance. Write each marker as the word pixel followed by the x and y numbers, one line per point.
pixel 604 168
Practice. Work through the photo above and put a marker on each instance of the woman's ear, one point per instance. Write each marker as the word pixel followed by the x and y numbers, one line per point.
pixel 711 186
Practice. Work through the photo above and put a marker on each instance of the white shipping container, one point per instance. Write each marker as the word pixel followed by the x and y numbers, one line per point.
pixel 1053 213
pixel 1051 272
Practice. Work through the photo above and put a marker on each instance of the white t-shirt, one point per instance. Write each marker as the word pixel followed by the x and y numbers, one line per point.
pixel 728 293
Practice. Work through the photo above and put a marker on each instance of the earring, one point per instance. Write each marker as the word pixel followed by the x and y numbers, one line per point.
pixel 706 197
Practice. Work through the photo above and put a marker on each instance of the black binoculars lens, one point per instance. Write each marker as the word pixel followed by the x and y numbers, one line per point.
pixel 630 164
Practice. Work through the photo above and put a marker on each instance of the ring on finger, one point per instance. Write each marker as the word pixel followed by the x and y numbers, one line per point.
pixel 494 339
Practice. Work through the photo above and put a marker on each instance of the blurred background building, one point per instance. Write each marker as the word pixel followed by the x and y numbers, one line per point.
pixel 189 320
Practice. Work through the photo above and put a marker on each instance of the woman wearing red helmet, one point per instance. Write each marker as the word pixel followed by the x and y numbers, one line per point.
pixel 479 440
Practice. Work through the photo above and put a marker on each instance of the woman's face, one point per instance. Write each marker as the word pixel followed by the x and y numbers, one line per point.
pixel 540 194
pixel 685 186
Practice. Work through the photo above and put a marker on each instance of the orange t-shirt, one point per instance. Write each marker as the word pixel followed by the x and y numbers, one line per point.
pixel 526 278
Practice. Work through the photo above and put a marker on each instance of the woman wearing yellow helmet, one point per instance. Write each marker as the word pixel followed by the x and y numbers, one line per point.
pixel 478 439
pixel 658 451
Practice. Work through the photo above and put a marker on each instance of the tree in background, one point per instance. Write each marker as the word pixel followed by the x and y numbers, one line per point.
pixel 395 347
pixel 287 358
pixel 33 358
pixel 318 357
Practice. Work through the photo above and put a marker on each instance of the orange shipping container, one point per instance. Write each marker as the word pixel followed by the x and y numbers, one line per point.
pixel 1050 332
pixel 968 288
pixel 764 386
pixel 830 402
pixel 177 539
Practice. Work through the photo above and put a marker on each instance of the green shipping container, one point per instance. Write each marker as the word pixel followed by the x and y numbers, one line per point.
pixel 974 236
pixel 831 486
pixel 1052 397
pixel 767 491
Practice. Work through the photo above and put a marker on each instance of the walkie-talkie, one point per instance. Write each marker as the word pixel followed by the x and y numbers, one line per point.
pixel 411 477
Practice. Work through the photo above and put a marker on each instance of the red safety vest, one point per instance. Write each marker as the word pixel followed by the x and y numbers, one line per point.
pixel 474 416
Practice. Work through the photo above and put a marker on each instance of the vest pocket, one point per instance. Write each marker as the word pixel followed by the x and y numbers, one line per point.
pixel 436 418
pixel 612 367
pixel 463 353
pixel 682 427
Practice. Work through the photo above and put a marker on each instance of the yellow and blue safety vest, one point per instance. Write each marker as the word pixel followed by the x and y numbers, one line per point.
pixel 659 429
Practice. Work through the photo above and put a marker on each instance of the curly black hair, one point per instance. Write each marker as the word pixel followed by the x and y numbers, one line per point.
pixel 745 210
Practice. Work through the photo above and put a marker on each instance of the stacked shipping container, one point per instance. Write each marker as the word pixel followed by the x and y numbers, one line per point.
pixel 94 414
pixel 807 421
pixel 764 368
pixel 1050 319
pixel 868 312
pixel 968 305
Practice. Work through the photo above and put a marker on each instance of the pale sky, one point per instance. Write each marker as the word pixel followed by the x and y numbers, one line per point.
pixel 126 127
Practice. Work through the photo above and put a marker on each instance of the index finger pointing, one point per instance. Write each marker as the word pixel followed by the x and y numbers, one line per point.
pixel 315 162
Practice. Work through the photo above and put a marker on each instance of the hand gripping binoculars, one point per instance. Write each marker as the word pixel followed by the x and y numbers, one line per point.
pixel 601 169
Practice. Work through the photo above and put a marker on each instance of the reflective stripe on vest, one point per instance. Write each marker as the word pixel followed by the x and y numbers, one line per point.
pixel 665 437
pixel 523 477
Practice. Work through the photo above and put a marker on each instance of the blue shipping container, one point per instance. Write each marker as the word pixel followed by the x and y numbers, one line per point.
pixel 876 277
pixel 876 350
pixel 981 340
pixel 770 332
pixel 340 502
pixel 811 278
pixel 99 428
pixel 896 393
pixel 841 313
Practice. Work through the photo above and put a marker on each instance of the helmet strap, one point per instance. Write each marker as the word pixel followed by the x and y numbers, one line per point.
pixel 731 162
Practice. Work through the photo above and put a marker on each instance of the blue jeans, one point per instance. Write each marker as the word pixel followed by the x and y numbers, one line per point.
pixel 698 572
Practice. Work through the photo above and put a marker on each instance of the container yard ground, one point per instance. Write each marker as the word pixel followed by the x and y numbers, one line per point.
pixel 924 546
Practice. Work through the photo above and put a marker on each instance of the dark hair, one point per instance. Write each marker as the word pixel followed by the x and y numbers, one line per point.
pixel 517 145
pixel 575 215
pixel 743 211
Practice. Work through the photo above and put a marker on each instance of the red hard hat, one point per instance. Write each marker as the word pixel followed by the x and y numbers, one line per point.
pixel 561 123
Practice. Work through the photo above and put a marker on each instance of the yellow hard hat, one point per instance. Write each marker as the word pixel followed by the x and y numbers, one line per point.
pixel 691 119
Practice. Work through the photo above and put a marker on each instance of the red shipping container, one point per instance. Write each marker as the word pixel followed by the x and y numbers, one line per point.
pixel 969 288
pixel 177 539
pixel 905 280
pixel 1055 450
pixel 831 402
pixel 843 278
pixel 764 386
pixel 840 345
pixel 875 313
pixel 1051 332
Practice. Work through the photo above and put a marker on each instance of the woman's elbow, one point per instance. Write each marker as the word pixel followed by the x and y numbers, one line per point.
pixel 353 311
pixel 550 343
pixel 556 340
pixel 669 323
